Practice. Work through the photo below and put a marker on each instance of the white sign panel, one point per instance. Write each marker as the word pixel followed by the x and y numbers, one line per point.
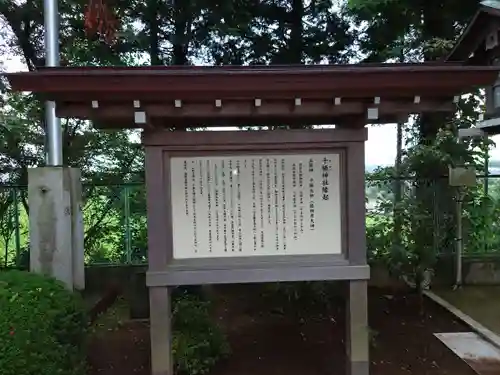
pixel 256 205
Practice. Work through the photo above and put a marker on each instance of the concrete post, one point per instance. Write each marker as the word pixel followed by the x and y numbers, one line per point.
pixel 77 229
pixel 56 225
pixel 357 343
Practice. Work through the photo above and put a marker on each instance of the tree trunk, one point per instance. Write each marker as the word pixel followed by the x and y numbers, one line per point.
pixel 180 48
pixel 154 29
pixel 296 47
pixel 398 191
pixel 431 187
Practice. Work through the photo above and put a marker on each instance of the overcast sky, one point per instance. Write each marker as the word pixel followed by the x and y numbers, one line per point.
pixel 380 147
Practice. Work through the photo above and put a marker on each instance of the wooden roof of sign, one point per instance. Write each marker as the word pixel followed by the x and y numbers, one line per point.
pixel 135 97
pixel 471 46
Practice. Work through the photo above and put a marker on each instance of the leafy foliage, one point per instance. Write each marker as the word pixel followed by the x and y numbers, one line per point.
pixel 42 326
pixel 197 342
pixel 425 230
pixel 407 231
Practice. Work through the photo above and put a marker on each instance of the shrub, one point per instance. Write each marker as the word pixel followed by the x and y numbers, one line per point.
pixel 198 343
pixel 42 326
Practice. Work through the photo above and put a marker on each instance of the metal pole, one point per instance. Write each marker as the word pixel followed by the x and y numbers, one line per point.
pixel 486 184
pixel 486 170
pixel 16 230
pixel 128 237
pixel 53 124
pixel 460 243
pixel 459 230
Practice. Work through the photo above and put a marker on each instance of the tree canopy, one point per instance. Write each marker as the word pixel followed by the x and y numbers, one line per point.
pixel 161 32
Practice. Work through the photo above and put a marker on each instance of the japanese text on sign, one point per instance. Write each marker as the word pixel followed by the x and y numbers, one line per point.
pixel 256 205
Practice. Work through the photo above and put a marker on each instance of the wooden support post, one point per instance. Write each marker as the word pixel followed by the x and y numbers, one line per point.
pixel 357 341
pixel 159 254
pixel 161 330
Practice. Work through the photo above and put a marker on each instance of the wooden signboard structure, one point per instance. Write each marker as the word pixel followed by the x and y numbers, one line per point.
pixel 255 206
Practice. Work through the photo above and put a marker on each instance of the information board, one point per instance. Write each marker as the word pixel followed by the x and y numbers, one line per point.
pixel 256 205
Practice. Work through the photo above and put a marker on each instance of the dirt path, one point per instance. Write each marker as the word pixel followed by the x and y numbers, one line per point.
pixel 265 340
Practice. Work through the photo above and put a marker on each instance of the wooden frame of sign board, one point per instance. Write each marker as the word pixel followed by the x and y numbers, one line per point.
pixel 347 264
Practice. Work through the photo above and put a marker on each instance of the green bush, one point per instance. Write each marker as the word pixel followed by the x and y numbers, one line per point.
pixel 197 342
pixel 42 326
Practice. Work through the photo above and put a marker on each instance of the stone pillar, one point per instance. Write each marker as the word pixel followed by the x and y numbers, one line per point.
pixel 357 342
pixel 77 229
pixel 56 225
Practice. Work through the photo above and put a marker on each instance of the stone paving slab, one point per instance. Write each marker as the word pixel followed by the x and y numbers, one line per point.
pixel 481 303
pixel 479 354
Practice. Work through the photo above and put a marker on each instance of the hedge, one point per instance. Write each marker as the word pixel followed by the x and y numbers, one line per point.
pixel 42 326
